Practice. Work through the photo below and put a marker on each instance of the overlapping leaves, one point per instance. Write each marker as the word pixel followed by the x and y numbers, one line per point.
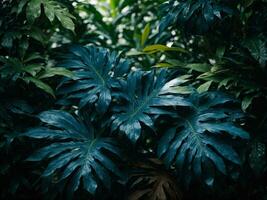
pixel 76 153
pixel 202 138
pixel 97 72
pixel 146 95
pixel 195 16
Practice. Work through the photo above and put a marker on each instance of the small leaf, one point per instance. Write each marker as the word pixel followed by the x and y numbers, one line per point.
pixel 199 67
pixel 40 84
pixel 33 10
pixel 158 47
pixel 204 87
pixel 33 69
pixel 52 71
pixel 65 19
pixel 246 102
pixel 145 34
pixel 164 65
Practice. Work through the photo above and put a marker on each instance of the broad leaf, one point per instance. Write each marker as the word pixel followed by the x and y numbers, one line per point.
pixel 197 144
pixel 75 152
pixel 195 16
pixel 96 73
pixel 147 95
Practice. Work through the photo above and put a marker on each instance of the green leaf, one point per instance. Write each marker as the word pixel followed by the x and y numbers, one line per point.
pixel 53 9
pixel 37 34
pixel 65 19
pixel 246 102
pixel 145 34
pixel 220 52
pixel 33 10
pixel 204 87
pixel 50 11
pixel 21 5
pixel 40 84
pixel 161 48
pixel 53 71
pixel 183 89
pixel 199 67
pixel 33 69
pixel 164 65
pixel 258 50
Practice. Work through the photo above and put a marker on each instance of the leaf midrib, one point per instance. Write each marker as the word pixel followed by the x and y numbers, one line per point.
pixel 195 134
pixel 96 72
pixel 142 105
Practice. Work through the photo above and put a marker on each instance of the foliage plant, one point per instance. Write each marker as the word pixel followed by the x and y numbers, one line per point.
pixel 125 99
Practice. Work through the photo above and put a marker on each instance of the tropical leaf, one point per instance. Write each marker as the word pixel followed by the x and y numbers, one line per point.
pixel 52 10
pixel 195 16
pixel 97 72
pixel 196 145
pixel 76 153
pixel 258 50
pixel 149 180
pixel 147 95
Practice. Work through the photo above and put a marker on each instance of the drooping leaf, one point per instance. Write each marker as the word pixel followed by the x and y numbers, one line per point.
pixel 40 84
pixel 52 71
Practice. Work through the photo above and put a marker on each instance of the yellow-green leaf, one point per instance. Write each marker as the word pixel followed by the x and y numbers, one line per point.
pixel 159 47
pixel 163 65
pixel 145 34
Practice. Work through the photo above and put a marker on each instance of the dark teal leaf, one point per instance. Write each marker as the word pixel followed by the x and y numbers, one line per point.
pixel 96 72
pixel 195 145
pixel 75 153
pixel 147 94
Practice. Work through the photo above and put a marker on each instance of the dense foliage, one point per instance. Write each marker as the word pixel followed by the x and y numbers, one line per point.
pixel 127 99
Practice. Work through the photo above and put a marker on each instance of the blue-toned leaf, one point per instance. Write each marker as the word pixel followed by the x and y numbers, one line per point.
pixel 147 94
pixel 195 145
pixel 97 71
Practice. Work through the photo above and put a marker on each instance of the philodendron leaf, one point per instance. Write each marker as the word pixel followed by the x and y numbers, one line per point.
pixel 195 16
pixel 75 152
pixel 196 145
pixel 147 95
pixel 96 72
